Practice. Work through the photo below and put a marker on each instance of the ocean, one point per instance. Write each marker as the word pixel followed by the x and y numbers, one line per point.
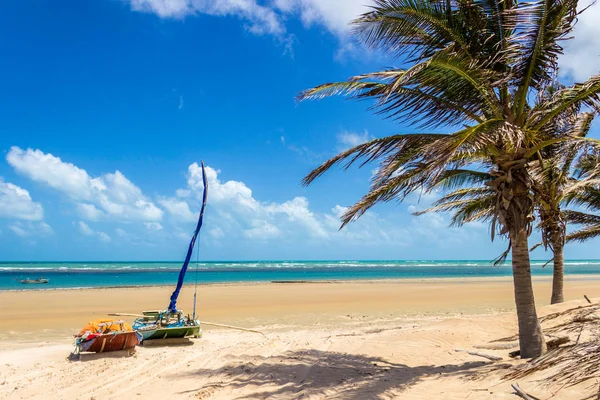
pixel 119 274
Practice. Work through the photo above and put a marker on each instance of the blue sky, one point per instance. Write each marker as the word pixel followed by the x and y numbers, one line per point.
pixel 108 106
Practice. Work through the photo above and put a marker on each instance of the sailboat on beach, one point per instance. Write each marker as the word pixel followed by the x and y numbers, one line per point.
pixel 174 323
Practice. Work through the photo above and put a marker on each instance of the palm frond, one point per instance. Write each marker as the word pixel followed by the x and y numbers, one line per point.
pixel 465 210
pixel 373 150
pixel 446 90
pixel 467 193
pixel 535 246
pixel 472 139
pixel 409 27
pixel 454 178
pixel 351 88
pixel 588 197
pixel 578 217
pixel 395 188
pixel 542 25
pixel 587 93
pixel 482 210
pixel 578 129
pixel 584 234
pixel 467 204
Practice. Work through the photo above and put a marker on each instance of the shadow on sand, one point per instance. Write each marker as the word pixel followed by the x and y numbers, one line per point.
pixel 336 375
pixel 174 342
pixel 97 356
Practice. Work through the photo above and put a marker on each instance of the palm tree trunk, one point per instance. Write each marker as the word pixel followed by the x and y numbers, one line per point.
pixel 559 268
pixel 531 339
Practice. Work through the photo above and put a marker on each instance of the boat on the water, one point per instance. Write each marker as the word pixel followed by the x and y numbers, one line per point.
pixel 173 323
pixel 106 335
pixel 39 280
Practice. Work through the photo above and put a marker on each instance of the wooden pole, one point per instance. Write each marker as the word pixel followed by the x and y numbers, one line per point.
pixel 480 354
pixel 231 327
pixel 127 315
pixel 201 323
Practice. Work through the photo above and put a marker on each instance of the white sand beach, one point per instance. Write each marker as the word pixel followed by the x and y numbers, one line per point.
pixel 350 340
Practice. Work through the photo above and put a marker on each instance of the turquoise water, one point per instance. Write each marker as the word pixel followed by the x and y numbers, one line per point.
pixel 96 274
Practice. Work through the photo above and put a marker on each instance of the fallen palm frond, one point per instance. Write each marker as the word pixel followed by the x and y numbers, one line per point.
pixel 573 364
pixel 576 310
pixel 522 393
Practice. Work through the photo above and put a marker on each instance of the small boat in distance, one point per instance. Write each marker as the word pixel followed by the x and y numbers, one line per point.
pixel 39 280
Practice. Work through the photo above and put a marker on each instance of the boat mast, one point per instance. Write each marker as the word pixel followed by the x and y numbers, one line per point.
pixel 173 303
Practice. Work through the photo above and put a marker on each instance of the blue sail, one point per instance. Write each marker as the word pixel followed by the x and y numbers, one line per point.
pixel 173 303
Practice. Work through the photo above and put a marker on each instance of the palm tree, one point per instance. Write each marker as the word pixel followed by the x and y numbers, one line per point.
pixel 555 181
pixel 589 198
pixel 473 68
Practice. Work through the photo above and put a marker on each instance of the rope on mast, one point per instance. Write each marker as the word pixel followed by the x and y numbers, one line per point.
pixel 196 286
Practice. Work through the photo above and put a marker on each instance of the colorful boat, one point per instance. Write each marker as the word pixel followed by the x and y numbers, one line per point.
pixel 39 280
pixel 165 325
pixel 106 335
pixel 173 323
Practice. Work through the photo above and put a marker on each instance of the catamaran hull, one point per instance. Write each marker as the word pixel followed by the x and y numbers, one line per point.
pixel 170 333
pixel 110 342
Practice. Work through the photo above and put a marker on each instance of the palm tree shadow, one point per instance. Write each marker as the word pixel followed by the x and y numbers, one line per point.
pixel 309 372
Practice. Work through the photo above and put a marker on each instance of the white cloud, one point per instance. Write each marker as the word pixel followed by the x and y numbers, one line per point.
pixel 233 212
pixel 369 230
pixel 258 19
pixel 239 216
pixel 234 191
pixel 19 230
pixel 182 193
pixel 153 226
pixel 88 211
pixel 110 195
pixel 179 209
pixel 270 17
pixel 31 229
pixel 579 60
pixel 238 210
pixel 16 203
pixel 297 211
pixel 104 237
pixel 262 231
pixel 334 15
pixel 347 140
pixel 581 57
pixel 216 233
pixel 87 231
pixel 46 168
pixel 120 232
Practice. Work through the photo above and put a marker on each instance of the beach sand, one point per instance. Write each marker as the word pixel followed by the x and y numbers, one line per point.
pixel 350 340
